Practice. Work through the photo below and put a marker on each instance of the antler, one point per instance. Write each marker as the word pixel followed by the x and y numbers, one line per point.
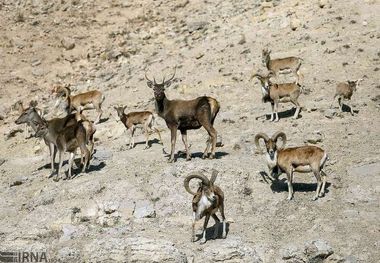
pixel 171 78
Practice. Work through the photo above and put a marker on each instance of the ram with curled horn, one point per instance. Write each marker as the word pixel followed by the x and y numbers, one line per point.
pixel 207 200
pixel 184 115
pixel 88 100
pixel 302 159
pixel 278 93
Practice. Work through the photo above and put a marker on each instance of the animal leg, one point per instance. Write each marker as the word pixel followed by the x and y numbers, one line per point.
pixel 216 226
pixel 131 139
pixel 193 229
pixel 351 110
pixel 324 177
pixel 276 111
pixel 212 133
pixel 146 136
pixel 52 155
pixel 59 166
pixel 203 240
pixel 298 107
pixel 71 160
pixel 173 131
pixel 100 112
pixel 289 176
pixel 87 156
pixel 208 143
pixel 223 220
pixel 340 104
pixel 319 183
pixel 272 114
pixel 184 140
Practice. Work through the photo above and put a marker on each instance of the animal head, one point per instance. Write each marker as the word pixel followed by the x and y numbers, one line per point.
pixel 264 80
pixel 159 88
pixel 206 186
pixel 120 110
pixel 270 143
pixel 27 115
pixel 62 94
pixel 354 84
pixel 265 55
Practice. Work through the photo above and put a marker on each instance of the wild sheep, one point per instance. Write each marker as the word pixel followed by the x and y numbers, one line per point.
pixel 302 159
pixel 344 91
pixel 208 199
pixel 279 93
pixel 131 119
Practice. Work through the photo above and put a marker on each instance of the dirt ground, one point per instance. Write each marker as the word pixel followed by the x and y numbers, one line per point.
pixel 131 206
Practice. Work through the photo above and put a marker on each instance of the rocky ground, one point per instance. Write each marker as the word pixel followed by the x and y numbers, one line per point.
pixel 131 206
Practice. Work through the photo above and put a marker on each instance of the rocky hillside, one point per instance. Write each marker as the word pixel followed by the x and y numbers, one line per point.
pixel 131 205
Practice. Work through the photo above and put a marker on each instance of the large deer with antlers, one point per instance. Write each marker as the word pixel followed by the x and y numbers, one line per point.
pixel 185 115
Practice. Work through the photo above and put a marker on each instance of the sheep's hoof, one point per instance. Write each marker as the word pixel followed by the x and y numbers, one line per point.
pixel 56 179
pixel 146 147
pixel 321 194
pixel 203 240
pixel 170 160
pixel 212 156
pixel 314 198
pixel 290 198
pixel 224 235
pixel 188 158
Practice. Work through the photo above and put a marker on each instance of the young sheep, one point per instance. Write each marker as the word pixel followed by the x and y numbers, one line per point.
pixel 130 120
pixel 87 100
pixel 296 159
pixel 277 65
pixel 208 199
pixel 344 91
pixel 279 93
pixel 186 115
pixel 68 140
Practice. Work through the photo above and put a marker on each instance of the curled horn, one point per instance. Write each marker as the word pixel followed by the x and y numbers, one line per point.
pixel 257 75
pixel 213 176
pixel 277 135
pixel 191 176
pixel 258 137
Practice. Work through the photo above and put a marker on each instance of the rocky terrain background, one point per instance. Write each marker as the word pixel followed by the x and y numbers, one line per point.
pixel 131 206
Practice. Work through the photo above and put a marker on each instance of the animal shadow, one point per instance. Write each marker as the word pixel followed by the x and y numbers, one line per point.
pixel 346 108
pixel 282 186
pixel 285 114
pixel 91 168
pixel 210 231
pixel 218 155
pixel 150 142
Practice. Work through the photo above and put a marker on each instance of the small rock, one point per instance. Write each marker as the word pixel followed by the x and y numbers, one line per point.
pixel 2 161
pixel 68 43
pixel 322 3
pixel 314 138
pixel 144 209
pixel 18 181
pixel 196 25
pixel 242 40
pixel 317 250
pixel 68 232
pixel 330 113
pixel 295 23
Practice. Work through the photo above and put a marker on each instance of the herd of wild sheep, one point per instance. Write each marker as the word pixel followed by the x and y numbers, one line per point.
pixel 76 131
